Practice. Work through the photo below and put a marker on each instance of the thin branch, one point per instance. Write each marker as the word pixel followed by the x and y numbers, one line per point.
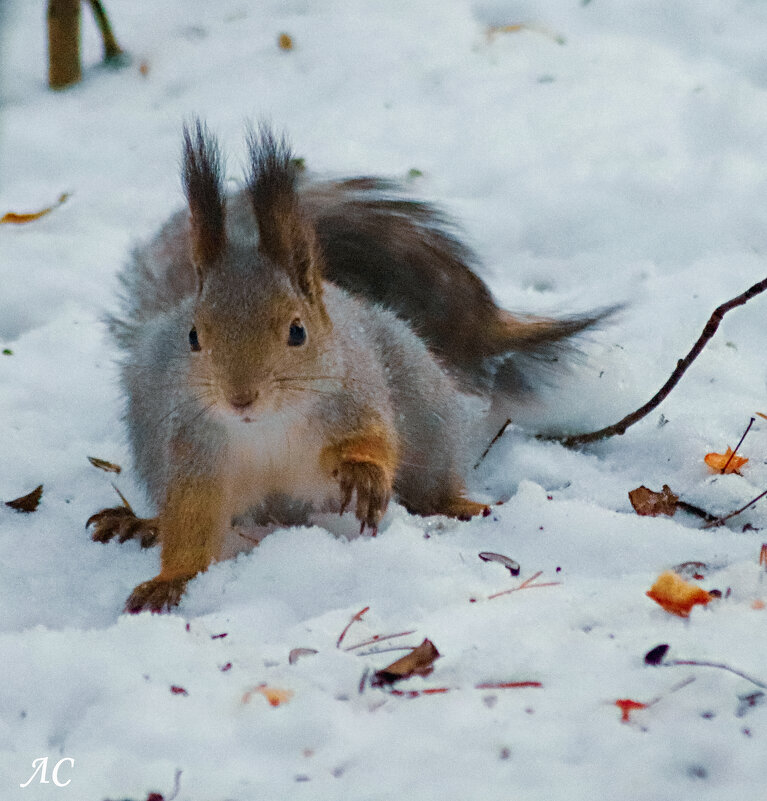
pixel 357 616
pixel 719 666
pixel 527 584
pixel 376 639
pixel 492 442
pixel 740 442
pixel 112 50
pixel 720 521
pixel 681 367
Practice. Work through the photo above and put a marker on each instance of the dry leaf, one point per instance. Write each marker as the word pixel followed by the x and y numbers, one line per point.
pixel 725 462
pixel 14 217
pixel 285 41
pixel 510 564
pixel 297 653
pixel 102 464
pixel 493 30
pixel 676 595
pixel 648 502
pixel 27 503
pixel 656 655
pixel 627 706
pixel 419 662
pixel 276 696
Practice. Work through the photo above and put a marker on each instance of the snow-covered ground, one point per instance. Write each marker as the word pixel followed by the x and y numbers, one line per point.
pixel 610 152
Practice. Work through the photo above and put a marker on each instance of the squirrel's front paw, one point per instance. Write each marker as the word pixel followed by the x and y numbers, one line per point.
pixel 373 490
pixel 121 522
pixel 156 595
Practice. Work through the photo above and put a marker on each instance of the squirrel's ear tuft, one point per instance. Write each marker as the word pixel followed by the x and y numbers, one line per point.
pixel 286 236
pixel 203 178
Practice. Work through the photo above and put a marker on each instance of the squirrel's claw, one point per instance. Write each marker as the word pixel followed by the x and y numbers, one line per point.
pixel 156 595
pixel 372 487
pixel 122 523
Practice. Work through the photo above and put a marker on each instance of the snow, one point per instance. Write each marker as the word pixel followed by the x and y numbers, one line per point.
pixel 610 153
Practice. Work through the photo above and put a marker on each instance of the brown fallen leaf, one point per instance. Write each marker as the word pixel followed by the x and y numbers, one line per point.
pixel 27 503
pixel 19 218
pixel 419 662
pixel 285 41
pixel 676 595
pixel 103 464
pixel 648 502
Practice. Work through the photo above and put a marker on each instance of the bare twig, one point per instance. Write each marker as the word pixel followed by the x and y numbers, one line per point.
pixel 681 367
pixel 720 521
pixel 112 50
pixel 492 442
pixel 740 442
pixel 357 616
pixel 376 639
pixel 719 666
pixel 527 584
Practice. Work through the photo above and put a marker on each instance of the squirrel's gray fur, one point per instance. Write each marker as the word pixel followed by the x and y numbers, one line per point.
pixel 373 357
pixel 304 341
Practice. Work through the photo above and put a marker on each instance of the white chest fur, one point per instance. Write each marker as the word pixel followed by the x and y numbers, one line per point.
pixel 278 453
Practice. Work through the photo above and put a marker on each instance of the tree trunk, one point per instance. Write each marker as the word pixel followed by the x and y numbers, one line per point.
pixel 63 43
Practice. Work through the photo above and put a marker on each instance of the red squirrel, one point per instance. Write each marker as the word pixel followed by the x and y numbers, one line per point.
pixel 321 346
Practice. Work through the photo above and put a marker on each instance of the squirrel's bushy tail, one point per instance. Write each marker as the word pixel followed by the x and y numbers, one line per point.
pixel 406 255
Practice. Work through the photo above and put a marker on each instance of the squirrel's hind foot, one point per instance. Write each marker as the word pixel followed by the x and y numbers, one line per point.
pixel 122 523
pixel 463 508
pixel 453 506
pixel 156 595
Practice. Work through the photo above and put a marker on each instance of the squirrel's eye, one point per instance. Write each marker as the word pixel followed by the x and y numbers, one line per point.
pixel 194 343
pixel 297 334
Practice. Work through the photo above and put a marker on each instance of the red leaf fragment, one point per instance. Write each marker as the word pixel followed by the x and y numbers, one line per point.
pixel 176 690
pixel 627 706
pixel 506 685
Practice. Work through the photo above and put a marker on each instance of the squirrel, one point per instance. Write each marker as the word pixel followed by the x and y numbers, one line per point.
pixel 320 344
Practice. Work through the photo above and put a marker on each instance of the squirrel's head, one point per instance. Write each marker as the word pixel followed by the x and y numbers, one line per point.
pixel 259 322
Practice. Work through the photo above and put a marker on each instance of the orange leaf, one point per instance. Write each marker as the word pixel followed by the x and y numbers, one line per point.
pixel 627 706
pixel 15 217
pixel 725 462
pixel 676 595
pixel 274 695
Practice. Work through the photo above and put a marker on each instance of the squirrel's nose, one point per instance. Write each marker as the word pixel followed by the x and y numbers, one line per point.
pixel 241 401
